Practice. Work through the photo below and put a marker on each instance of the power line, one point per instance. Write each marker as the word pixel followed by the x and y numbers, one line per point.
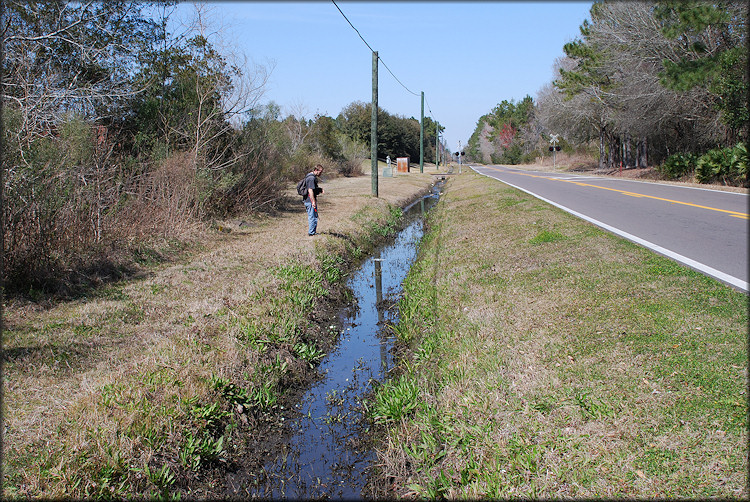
pixel 386 66
pixel 355 29
pixel 372 50
pixel 397 80
pixel 428 107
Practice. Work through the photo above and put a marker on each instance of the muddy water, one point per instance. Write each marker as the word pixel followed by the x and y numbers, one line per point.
pixel 326 456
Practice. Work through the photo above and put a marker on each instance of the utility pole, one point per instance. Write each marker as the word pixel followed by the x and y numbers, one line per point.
pixel 374 125
pixel 421 138
pixel 437 145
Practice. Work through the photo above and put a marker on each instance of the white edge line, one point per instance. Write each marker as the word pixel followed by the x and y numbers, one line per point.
pixel 606 178
pixel 716 274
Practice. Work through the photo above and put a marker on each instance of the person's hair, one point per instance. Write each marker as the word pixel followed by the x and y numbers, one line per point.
pixel 318 168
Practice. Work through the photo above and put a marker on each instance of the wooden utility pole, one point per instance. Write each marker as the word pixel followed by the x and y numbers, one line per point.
pixel 421 138
pixel 374 125
pixel 437 144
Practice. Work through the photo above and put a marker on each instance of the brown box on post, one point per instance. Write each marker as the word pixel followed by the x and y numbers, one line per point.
pixel 402 164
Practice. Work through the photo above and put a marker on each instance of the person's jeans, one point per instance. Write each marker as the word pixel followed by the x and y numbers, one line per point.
pixel 312 218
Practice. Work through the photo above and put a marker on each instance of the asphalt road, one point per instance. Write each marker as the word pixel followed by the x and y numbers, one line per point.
pixel 704 229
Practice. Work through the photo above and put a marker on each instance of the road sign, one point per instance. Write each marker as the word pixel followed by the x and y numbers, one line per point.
pixel 554 148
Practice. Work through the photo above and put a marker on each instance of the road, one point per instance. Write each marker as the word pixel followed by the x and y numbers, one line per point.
pixel 704 229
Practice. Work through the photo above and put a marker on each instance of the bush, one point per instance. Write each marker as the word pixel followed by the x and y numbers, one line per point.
pixel 727 165
pixel 739 162
pixel 350 168
pixel 530 158
pixel 678 165
pixel 56 198
pixel 511 155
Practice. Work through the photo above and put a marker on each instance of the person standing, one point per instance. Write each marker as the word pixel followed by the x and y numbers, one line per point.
pixel 310 198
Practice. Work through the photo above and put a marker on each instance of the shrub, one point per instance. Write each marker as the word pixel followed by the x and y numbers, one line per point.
pixel 739 162
pixel 678 165
pixel 350 168
pixel 511 155
pixel 727 165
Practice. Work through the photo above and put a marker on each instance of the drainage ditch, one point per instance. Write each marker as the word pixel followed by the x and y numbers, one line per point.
pixel 328 455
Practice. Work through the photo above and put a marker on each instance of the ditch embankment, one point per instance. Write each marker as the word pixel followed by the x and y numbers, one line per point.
pixel 543 358
pixel 155 387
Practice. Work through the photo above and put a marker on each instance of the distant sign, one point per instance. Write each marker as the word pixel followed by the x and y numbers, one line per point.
pixel 402 164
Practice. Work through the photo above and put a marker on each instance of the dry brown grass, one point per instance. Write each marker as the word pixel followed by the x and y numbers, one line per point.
pixel 565 161
pixel 87 382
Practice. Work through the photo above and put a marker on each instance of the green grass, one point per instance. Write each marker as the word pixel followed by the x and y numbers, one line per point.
pixel 552 359
pixel 396 399
pixel 546 236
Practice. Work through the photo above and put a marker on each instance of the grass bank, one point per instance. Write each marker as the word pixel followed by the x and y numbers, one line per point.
pixel 158 386
pixel 546 358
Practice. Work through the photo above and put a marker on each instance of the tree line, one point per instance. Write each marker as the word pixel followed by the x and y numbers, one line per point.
pixel 118 132
pixel 646 83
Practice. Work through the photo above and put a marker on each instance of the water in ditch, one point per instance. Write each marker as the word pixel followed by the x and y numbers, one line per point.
pixel 325 457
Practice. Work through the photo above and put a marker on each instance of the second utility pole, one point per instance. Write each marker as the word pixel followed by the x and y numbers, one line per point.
pixel 437 145
pixel 421 138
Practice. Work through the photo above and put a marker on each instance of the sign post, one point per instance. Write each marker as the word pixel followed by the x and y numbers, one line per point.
pixel 459 156
pixel 554 149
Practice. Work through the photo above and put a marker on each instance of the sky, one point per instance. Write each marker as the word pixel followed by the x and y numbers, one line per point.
pixel 465 56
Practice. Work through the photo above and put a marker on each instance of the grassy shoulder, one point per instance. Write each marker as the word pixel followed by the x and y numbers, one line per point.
pixel 152 388
pixel 547 358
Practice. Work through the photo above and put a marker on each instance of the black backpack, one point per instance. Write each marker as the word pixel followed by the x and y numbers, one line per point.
pixel 302 186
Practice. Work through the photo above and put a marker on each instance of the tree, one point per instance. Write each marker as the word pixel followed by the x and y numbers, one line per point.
pixel 325 138
pixel 504 135
pixel 397 136
pixel 355 119
pixel 62 58
pixel 712 43
pixel 638 65
pixel 199 92
pixel 97 95
pixel 67 79
pixel 298 128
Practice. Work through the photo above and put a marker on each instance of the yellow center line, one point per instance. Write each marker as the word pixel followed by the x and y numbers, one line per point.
pixel 633 194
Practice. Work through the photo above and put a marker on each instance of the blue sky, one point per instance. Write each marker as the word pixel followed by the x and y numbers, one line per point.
pixel 466 56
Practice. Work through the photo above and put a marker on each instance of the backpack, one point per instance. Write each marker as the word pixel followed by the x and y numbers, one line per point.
pixel 302 186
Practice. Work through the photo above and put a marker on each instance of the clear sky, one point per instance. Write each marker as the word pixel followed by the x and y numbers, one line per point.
pixel 466 56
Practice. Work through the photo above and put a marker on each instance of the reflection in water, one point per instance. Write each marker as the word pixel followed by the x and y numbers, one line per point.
pixel 379 307
pixel 324 457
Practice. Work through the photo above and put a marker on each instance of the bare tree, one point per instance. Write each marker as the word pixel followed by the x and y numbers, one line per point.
pixel 297 127
pixel 636 50
pixel 581 116
pixel 616 79
pixel 62 58
pixel 224 91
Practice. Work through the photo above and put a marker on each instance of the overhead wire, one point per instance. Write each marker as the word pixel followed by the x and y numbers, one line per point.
pixel 428 105
pixel 381 59
pixel 372 50
pixel 355 29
